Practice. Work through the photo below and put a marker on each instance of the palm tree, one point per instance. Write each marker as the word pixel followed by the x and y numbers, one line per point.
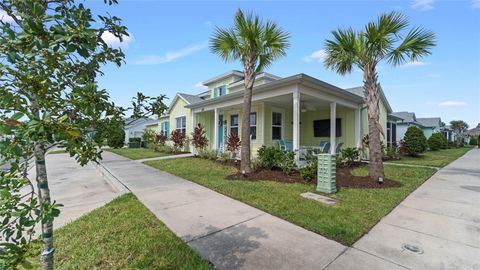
pixel 381 40
pixel 256 44
pixel 459 127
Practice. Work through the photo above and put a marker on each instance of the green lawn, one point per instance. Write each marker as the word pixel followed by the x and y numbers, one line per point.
pixel 137 153
pixel 122 235
pixel 438 158
pixel 357 210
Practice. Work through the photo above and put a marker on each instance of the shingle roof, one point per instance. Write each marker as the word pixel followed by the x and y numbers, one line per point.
pixel 429 122
pixel 191 99
pixel 473 131
pixel 131 122
pixel 359 92
pixel 408 117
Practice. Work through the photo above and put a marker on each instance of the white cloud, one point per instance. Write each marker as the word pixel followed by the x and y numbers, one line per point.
pixel 114 41
pixel 415 64
pixel 451 103
pixel 199 85
pixel 318 56
pixel 423 4
pixel 475 4
pixel 4 17
pixel 208 24
pixel 170 56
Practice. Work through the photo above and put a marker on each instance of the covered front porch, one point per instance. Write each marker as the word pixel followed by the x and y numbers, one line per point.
pixel 295 118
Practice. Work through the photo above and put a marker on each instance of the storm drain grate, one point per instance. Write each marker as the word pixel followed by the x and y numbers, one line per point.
pixel 412 248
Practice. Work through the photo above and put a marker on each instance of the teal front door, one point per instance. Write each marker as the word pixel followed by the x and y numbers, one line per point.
pixel 220 132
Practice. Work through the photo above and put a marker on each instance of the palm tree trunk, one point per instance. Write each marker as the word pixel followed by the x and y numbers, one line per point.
pixel 249 79
pixel 375 147
pixel 459 137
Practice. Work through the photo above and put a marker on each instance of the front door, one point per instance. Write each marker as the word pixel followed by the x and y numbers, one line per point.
pixel 220 132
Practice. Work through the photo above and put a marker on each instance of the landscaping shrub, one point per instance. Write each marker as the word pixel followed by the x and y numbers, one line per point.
pixel 208 154
pixel 233 143
pixel 309 172
pixel 435 142
pixel 178 138
pixel 160 138
pixel 392 152
pixel 199 137
pixel 224 157
pixel 473 141
pixel 269 157
pixel 116 137
pixel 444 143
pixel 414 141
pixel 287 162
pixel 148 137
pixel 135 140
pixel 350 155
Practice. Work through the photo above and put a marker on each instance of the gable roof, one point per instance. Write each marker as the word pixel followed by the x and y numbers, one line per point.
pixel 473 131
pixel 189 99
pixel 430 122
pixel 130 122
pixel 408 117
pixel 223 76
pixel 359 92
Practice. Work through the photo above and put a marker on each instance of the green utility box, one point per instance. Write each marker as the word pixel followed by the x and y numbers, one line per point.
pixel 326 173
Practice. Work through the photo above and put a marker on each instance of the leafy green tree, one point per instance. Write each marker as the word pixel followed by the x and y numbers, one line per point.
pixel 257 45
pixel 459 127
pixel 381 40
pixel 436 141
pixel 50 57
pixel 414 141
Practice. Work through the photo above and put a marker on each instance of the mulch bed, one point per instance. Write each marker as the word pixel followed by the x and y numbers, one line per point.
pixel 344 178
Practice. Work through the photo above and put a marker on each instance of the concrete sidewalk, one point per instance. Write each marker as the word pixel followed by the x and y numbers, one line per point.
pixel 440 221
pixel 229 233
pixel 79 189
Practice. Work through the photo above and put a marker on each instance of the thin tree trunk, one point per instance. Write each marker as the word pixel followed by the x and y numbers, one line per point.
pixel 44 198
pixel 376 171
pixel 247 105
pixel 459 137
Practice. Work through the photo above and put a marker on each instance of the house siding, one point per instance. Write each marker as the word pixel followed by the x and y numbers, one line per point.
pixel 177 110
pixel 383 122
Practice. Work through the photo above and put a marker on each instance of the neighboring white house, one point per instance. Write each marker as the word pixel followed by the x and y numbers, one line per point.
pixel 135 128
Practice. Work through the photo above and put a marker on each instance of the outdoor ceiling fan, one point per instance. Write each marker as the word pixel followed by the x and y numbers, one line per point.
pixel 305 107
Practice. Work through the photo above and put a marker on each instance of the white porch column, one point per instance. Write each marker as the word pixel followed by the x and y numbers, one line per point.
pixel 215 129
pixel 358 126
pixel 333 127
pixel 296 125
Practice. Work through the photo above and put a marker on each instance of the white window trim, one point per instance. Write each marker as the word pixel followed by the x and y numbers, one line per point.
pixel 230 122
pixel 256 125
pixel 282 127
pixel 180 116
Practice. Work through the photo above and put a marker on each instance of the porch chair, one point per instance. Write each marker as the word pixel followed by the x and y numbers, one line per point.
pixel 326 148
pixel 338 148
pixel 289 145
pixel 281 144
pixel 322 144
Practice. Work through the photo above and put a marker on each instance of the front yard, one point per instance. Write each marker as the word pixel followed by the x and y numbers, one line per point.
pixel 356 211
pixel 124 234
pixel 137 153
pixel 438 158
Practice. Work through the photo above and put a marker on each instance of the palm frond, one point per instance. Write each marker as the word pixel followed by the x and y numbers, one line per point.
pixel 342 51
pixel 417 43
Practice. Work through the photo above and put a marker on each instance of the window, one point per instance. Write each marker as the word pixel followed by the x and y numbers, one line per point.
pixel 253 125
pixel 165 129
pixel 321 128
pixel 276 126
pixel 219 91
pixel 234 123
pixel 181 124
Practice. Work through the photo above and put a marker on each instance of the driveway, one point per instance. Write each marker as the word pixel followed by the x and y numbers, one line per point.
pixel 436 227
pixel 79 189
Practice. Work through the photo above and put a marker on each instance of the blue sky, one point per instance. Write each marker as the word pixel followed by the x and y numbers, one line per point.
pixel 168 49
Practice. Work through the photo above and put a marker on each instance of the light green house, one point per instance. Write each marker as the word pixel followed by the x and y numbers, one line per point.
pixel 297 109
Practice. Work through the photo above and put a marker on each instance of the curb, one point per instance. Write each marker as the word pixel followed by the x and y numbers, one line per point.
pixel 112 180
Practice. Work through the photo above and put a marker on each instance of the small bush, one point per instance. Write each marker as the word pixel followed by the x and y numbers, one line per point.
pixel 135 140
pixel 178 138
pixel 287 162
pixel 208 154
pixel 269 157
pixel 255 164
pixel 435 142
pixel 414 141
pixel 116 137
pixel 199 137
pixel 160 138
pixel 233 144
pixel 392 153
pixel 148 137
pixel 165 149
pixel 309 172
pixel 350 155
pixel 473 141
pixel 224 157
pixel 444 143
